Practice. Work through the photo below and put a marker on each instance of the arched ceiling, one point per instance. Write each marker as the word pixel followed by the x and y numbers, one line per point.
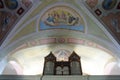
pixel 10 15
pixel 34 64
pixel 82 24
pixel 108 13
pixel 11 11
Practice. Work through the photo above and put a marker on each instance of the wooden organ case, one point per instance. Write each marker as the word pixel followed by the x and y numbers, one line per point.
pixel 70 67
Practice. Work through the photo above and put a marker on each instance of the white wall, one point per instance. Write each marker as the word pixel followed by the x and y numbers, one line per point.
pixel 2 65
pixel 112 68
pixel 12 68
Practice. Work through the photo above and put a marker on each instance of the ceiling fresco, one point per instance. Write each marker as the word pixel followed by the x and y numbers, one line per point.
pixel 108 13
pixel 11 11
pixel 62 17
pixel 60 26
pixel 58 21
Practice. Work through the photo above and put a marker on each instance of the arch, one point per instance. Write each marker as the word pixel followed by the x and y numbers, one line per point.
pixel 69 8
pixel 12 68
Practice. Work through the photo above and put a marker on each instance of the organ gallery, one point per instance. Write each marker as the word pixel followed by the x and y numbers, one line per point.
pixel 70 67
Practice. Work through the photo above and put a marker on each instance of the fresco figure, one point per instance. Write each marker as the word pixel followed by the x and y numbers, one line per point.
pixel 50 18
pixel 63 16
pixel 109 4
pixel 92 3
pixel 70 19
pixel 56 17
pixel 5 23
pixel 11 4
pixel 1 4
pixel 60 17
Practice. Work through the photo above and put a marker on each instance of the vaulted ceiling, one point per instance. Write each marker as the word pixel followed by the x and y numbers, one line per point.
pixel 106 11
pixel 26 23
pixel 11 11
pixel 89 26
